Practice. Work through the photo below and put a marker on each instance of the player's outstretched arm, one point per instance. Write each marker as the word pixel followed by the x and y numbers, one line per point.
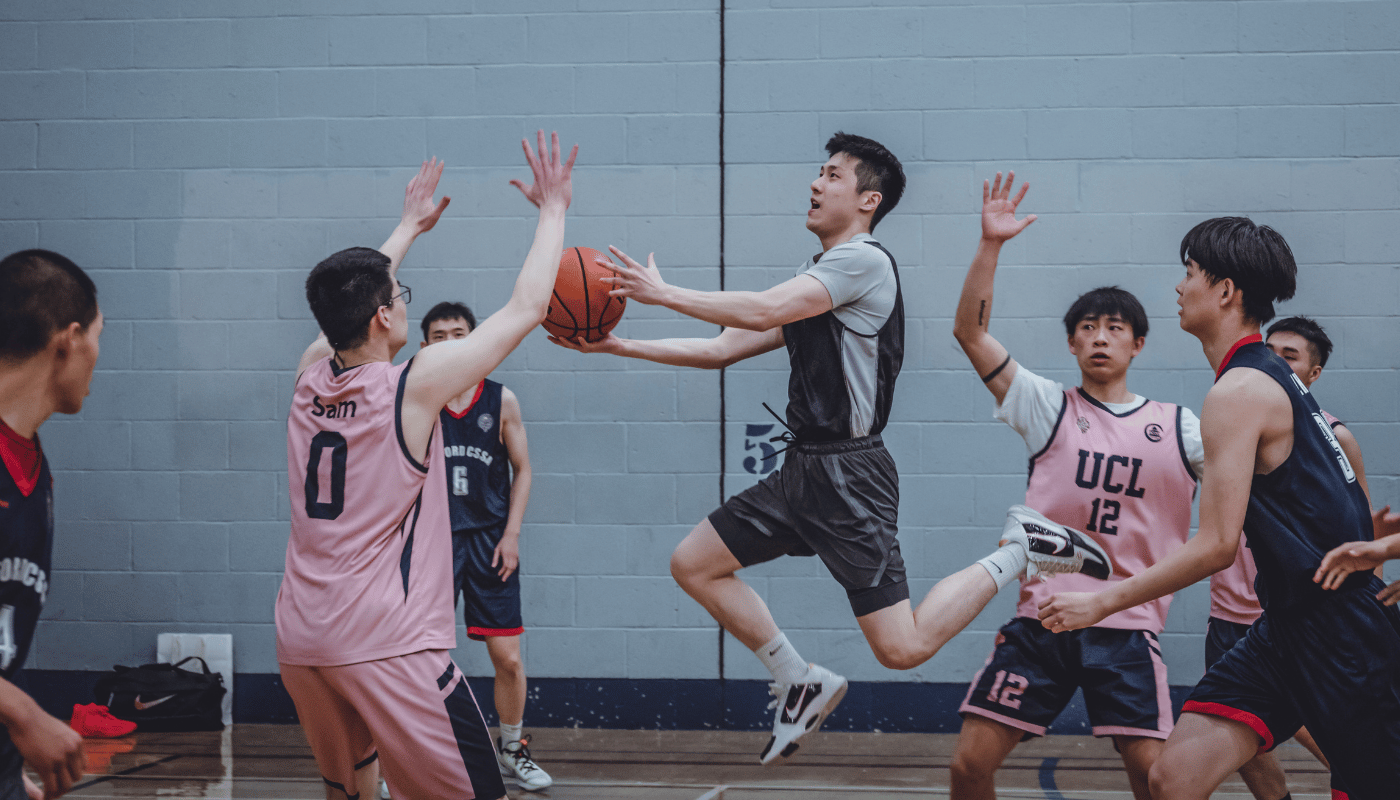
pixel 48 745
pixel 449 368
pixel 798 298
pixel 506 558
pixel 420 213
pixel 731 346
pixel 973 319
pixel 1232 423
pixel 419 216
pixel 1357 556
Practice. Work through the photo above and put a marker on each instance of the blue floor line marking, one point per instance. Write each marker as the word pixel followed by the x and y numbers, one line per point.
pixel 1047 779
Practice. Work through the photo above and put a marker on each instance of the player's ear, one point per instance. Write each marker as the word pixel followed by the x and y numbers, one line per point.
pixel 1314 373
pixel 1138 344
pixel 870 200
pixel 422 345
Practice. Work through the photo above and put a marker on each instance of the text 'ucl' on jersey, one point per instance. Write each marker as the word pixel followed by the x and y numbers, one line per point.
pixel 1306 506
pixel 478 466
pixel 1123 479
pixel 369 562
pixel 1232 595
pixel 842 382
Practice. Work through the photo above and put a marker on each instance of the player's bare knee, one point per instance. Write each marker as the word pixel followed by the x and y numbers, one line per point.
pixel 1166 783
pixel 899 656
pixel 968 768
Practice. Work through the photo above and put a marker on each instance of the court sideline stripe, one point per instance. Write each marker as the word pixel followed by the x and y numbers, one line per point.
pixel 713 794
pixel 123 773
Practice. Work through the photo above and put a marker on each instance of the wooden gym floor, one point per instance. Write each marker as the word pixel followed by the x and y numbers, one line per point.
pixel 273 761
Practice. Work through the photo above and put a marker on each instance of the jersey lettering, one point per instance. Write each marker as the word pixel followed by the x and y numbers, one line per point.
pixel 459 481
pixel 315 509
pixel 1336 447
pixel 1092 482
pixel 467 451
pixel 26 573
pixel 345 408
pixel 8 648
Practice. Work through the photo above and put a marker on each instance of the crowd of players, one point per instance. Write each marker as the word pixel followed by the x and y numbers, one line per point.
pixel 409 484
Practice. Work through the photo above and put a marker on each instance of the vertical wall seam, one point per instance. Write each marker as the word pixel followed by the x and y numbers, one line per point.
pixel 722 415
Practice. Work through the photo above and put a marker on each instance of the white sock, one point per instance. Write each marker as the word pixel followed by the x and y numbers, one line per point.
pixel 511 733
pixel 1006 564
pixel 782 660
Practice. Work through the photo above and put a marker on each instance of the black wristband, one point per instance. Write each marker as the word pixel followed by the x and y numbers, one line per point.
pixel 991 375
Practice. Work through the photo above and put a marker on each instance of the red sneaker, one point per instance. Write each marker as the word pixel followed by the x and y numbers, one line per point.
pixel 92 721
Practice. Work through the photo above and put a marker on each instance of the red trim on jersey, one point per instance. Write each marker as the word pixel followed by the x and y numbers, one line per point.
pixel 1338 794
pixel 21 457
pixel 1219 710
pixel 475 397
pixel 474 632
pixel 1250 339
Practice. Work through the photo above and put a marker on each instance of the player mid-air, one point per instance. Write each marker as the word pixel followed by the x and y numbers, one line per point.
pixel 1102 460
pixel 364 615
pixel 488 487
pixel 1274 469
pixel 837 493
pixel 49 330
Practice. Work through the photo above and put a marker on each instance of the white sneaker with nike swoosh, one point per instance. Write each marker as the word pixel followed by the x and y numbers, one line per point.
pixel 1053 548
pixel 801 709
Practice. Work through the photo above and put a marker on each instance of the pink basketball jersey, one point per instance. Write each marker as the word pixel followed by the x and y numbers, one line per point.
pixel 369 562
pixel 1126 482
pixel 1232 596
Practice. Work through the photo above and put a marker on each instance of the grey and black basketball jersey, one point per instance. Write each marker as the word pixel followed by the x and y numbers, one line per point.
pixel 845 361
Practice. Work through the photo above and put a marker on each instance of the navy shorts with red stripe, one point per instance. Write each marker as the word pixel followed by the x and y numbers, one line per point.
pixel 490 606
pixel 1334 667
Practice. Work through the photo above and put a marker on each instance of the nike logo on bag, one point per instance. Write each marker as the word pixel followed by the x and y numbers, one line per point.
pixel 799 697
pixel 140 706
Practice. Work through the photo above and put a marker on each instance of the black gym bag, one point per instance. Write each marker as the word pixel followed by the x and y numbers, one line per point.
pixel 164 697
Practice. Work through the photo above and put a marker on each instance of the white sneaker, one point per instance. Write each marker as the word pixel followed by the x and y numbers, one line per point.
pixel 1053 548
pixel 383 790
pixel 516 763
pixel 801 709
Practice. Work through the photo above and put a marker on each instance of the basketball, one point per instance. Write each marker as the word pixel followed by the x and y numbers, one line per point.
pixel 581 305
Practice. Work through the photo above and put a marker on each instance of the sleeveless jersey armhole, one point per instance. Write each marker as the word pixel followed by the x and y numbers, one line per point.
pixel 398 420
pixel 1181 448
pixel 1064 405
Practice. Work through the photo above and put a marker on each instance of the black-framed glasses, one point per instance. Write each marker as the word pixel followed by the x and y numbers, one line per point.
pixel 406 294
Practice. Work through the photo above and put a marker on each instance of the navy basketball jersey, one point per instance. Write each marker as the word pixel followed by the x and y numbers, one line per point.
pixel 842 382
pixel 26 543
pixel 478 468
pixel 1308 505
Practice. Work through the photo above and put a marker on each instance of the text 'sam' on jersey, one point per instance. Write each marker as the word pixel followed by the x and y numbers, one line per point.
pixel 1125 480
pixel 369 562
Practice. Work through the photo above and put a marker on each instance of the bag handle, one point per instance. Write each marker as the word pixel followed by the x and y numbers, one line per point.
pixel 182 661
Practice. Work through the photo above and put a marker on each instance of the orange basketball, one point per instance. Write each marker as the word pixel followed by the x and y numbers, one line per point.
pixel 581 305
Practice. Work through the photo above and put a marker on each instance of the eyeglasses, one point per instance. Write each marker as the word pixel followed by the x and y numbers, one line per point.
pixel 406 294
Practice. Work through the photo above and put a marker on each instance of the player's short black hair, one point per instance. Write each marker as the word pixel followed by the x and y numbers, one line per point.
pixel 1308 329
pixel 448 310
pixel 41 293
pixel 345 291
pixel 1255 257
pixel 878 170
pixel 1111 301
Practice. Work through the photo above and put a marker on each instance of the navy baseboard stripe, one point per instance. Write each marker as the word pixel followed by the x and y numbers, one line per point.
pixel 650 704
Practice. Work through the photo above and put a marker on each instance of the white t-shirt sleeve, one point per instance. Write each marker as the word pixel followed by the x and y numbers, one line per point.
pixel 1191 438
pixel 1032 407
pixel 849 272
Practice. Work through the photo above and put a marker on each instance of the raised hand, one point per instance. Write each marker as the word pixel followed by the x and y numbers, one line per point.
pixel 607 344
pixel 999 221
pixel 420 213
pixel 553 183
pixel 631 279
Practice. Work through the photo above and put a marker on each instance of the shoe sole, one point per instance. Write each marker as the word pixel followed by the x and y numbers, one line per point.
pixel 812 727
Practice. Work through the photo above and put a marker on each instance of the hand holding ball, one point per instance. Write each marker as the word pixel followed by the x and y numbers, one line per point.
pixel 581 306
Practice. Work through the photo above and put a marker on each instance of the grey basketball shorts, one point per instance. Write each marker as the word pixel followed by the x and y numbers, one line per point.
pixel 835 500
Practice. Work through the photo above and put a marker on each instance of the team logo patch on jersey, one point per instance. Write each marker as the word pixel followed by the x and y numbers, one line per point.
pixel 1153 432
pixel 1083 425
pixel 484 422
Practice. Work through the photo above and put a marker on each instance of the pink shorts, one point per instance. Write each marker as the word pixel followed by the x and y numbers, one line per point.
pixel 432 740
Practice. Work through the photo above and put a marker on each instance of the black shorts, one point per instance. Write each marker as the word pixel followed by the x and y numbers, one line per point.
pixel 1032 674
pixel 1221 635
pixel 1334 667
pixel 836 500
pixel 490 606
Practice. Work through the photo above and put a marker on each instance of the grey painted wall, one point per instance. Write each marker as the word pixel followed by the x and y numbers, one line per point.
pixel 199 156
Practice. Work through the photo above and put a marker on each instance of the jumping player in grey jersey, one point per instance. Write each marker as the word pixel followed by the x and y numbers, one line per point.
pixel 837 493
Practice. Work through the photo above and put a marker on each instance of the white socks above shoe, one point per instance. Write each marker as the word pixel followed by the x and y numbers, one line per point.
pixel 1006 564
pixel 782 660
pixel 510 733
